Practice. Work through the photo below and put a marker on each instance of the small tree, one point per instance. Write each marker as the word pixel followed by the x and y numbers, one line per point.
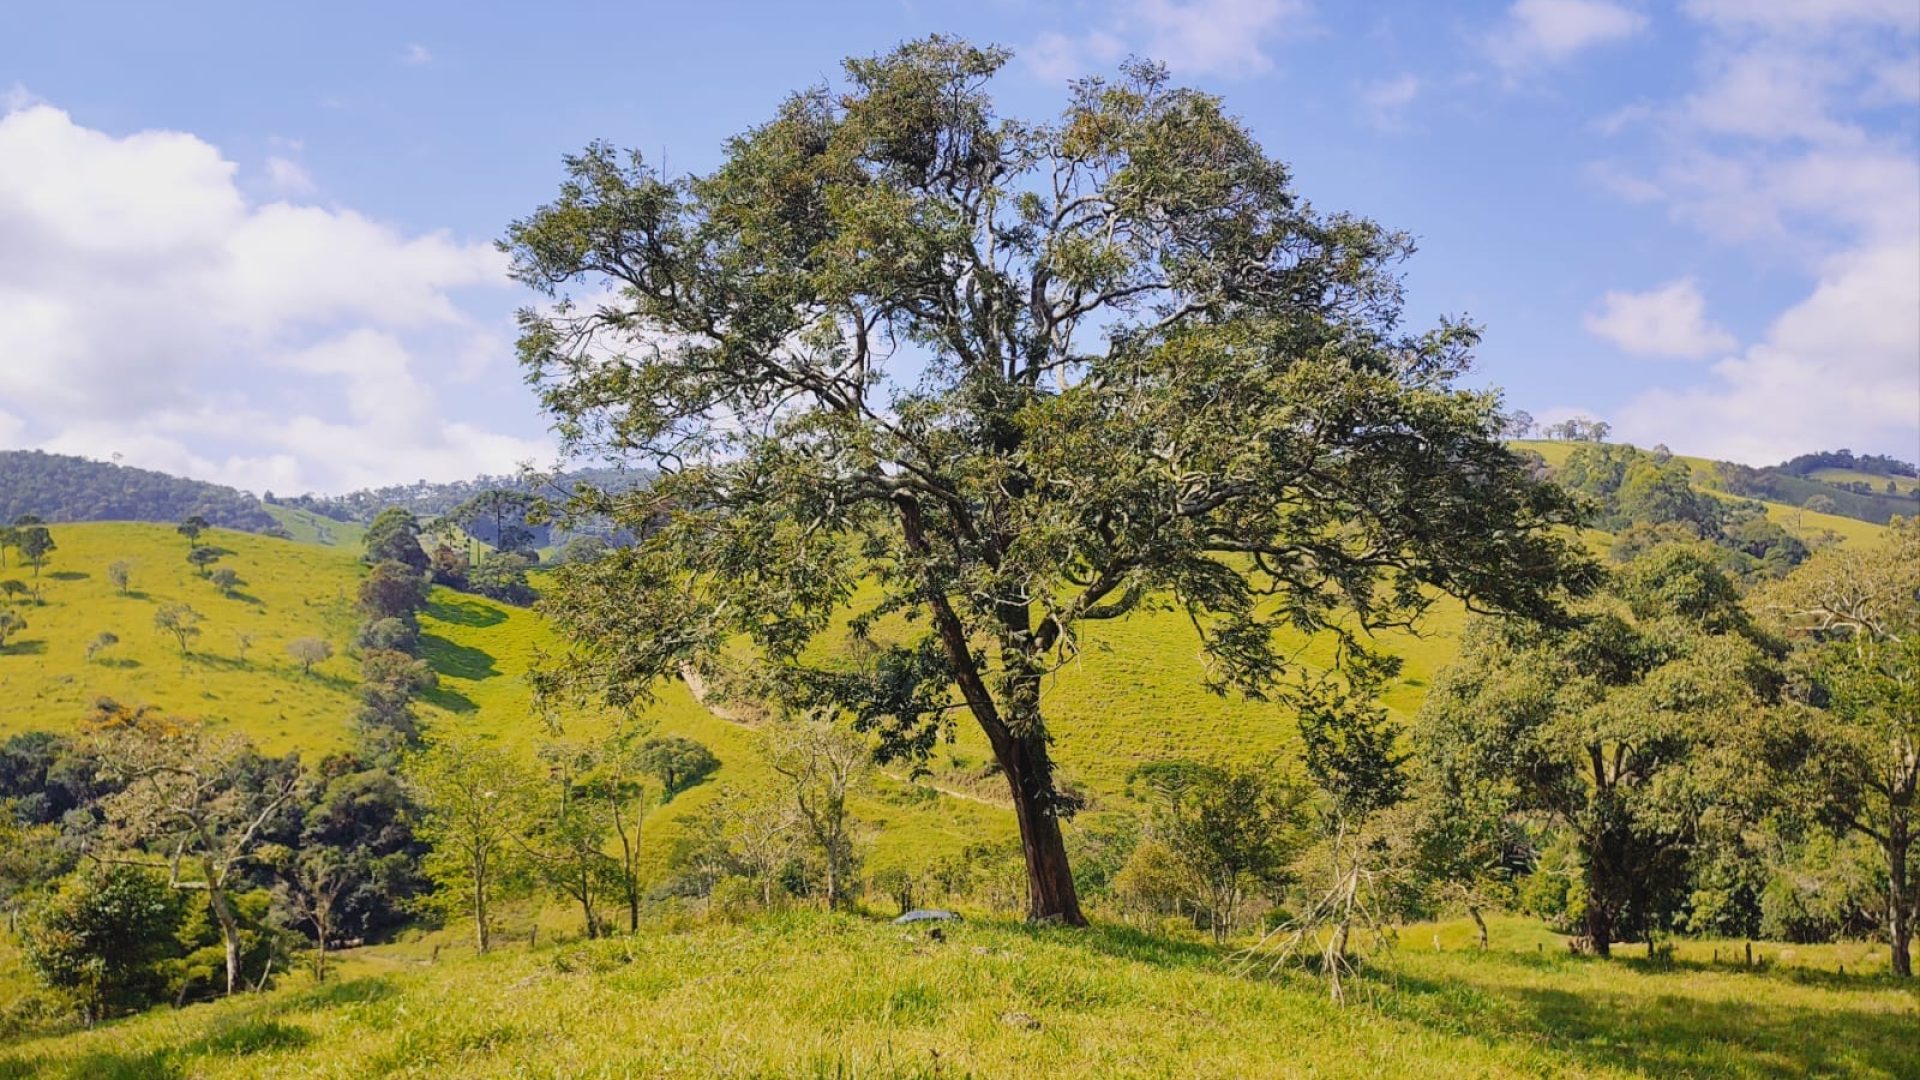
pixel 677 762
pixel 104 640
pixel 104 938
pixel 309 651
pixel 242 641
pixel 203 556
pixel 1230 828
pixel 191 528
pixel 120 573
pixel 13 589
pixel 11 623
pixel 181 621
pixel 226 579
pixel 35 544
pixel 761 833
pixel 312 883
pixel 473 795
pixel 822 762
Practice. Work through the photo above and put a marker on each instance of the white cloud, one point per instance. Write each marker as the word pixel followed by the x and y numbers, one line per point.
pixel 149 308
pixel 288 176
pixel 1537 33
pixel 1670 321
pixel 1772 152
pixel 1386 100
pixel 1226 38
pixel 1840 368
pixel 417 55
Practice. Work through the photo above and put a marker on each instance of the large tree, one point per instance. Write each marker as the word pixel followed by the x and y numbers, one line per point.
pixel 1856 610
pixel 196 799
pixel 1634 729
pixel 1020 375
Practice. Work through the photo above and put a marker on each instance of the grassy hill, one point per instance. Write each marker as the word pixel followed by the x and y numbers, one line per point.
pixel 287 591
pixel 802 994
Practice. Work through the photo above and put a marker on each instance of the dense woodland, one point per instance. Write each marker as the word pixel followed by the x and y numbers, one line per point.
pixel 56 487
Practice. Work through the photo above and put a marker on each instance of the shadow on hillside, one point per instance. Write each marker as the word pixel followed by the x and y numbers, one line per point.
pixel 465 613
pixel 69 575
pixel 458 661
pixel 34 647
pixel 121 662
pixel 441 697
pixel 1665 1034
pixel 245 598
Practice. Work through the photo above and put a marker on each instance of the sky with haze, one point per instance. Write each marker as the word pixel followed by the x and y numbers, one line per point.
pixel 252 243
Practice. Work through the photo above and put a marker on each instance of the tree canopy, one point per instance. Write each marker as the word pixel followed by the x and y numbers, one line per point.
pixel 1021 374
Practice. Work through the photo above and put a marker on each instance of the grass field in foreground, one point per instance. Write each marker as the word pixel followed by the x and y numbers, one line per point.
pixel 805 994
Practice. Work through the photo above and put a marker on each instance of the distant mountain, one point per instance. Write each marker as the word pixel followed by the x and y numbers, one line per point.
pixel 60 488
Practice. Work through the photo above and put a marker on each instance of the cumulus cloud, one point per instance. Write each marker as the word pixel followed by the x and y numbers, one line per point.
pixel 1226 38
pixel 149 308
pixel 289 176
pixel 1536 33
pixel 1773 151
pixel 1670 321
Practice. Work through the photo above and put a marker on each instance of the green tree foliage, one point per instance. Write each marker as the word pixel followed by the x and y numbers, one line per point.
pixel 1633 729
pixel 35 544
pixel 104 640
pixel 1230 829
pixel 1855 610
pixel 389 681
pixel 822 763
pixel 105 939
pixel 676 761
pixel 473 799
pixel 502 577
pixel 1650 499
pixel 180 622
pixel 198 800
pixel 192 527
pixel 11 623
pixel 394 536
pixel 226 579
pixel 55 487
pixel 203 556
pixel 499 516
pixel 361 818
pixel 120 574
pixel 1154 376
pixel 13 589
pixel 393 590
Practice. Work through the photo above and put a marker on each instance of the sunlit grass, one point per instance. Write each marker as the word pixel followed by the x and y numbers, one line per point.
pixel 804 994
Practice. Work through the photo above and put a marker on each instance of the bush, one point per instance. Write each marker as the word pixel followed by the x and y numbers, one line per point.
pixel 105 940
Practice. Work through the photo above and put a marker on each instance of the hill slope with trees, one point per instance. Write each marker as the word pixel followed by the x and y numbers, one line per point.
pixel 58 488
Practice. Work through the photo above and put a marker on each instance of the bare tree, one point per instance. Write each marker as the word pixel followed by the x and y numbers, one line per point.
pixel 822 762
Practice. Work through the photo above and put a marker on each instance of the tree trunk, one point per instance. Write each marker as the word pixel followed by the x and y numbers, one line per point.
pixel 1051 896
pixel 229 929
pixel 1023 757
pixel 1479 923
pixel 1899 900
pixel 1599 929
pixel 480 909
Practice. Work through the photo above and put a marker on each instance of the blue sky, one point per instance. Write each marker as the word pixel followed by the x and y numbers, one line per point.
pixel 251 243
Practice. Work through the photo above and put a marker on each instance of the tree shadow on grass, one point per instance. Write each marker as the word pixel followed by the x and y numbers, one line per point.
pixel 441 697
pixel 465 613
pixel 34 647
pixel 69 575
pixel 458 661
pixel 1665 1033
